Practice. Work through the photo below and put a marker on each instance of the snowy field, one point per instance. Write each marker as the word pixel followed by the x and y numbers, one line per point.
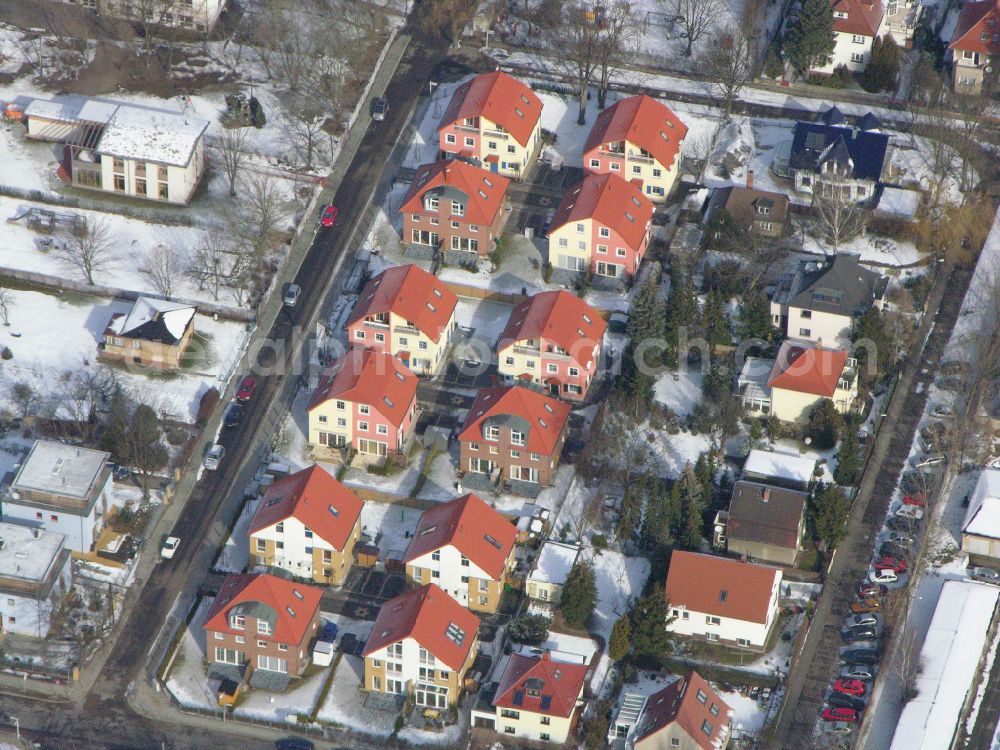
pixel 620 580
pixel 188 681
pixel 679 391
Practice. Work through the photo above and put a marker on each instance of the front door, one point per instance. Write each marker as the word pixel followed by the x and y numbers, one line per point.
pixel 494 166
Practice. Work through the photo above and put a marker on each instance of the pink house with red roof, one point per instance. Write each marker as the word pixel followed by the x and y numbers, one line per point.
pixel 408 313
pixel 553 340
pixel 422 644
pixel 640 140
pixel 686 713
pixel 467 548
pixel 975 44
pixel 263 624
pixel 368 402
pixel 307 524
pixel 495 121
pixel 539 698
pixel 602 227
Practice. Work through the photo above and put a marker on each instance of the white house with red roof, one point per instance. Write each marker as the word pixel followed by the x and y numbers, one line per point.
pixel 721 600
pixel 856 23
pixel 553 340
pixel 422 643
pixel 307 524
pixel 455 206
pixel 514 436
pixel 975 44
pixel 686 713
pixel 493 120
pixel 639 139
pixel 537 699
pixel 261 623
pixel 369 402
pixel 602 227
pixel 408 313
pixel 805 373
pixel 467 548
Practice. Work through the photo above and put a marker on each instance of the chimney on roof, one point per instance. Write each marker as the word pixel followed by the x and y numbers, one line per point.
pixel 819 343
pixel 546 655
pixel 750 179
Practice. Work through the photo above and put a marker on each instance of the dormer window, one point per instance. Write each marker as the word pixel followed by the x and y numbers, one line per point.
pixel 263 627
pixel 458 209
pixel 516 438
pixel 431 202
pixel 763 210
pixel 839 14
pixel 237 622
pixel 492 433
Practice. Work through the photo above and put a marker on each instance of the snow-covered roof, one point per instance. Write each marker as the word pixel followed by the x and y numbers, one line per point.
pixel 154 320
pixel 780 466
pixel 155 135
pixel 949 663
pixel 983 516
pixel 59 469
pixel 72 110
pixel 554 563
pixel 26 553
pixel 899 202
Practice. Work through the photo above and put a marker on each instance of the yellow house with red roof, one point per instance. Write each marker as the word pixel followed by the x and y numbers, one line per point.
pixel 307 524
pixel 467 548
pixel 804 375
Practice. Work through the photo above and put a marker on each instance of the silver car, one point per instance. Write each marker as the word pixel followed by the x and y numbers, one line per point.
pixel 292 295
pixel 214 457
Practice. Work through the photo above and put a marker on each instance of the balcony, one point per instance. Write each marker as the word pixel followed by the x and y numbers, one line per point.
pixel 528 351
pixel 406 329
pixel 611 154
pixel 375 324
pixel 495 134
pixel 466 129
pixel 639 158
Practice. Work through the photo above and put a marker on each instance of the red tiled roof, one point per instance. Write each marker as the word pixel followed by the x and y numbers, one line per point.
pixel 501 99
pixel 293 604
pixel 863 16
pixel 413 294
pixel 679 702
pixel 649 124
pixel 609 200
pixel 429 616
pixel 368 377
pixel 312 496
pixel 559 317
pixel 541 686
pixel 546 417
pixel 483 190
pixel 811 369
pixel 472 527
pixel 719 586
pixel 978 17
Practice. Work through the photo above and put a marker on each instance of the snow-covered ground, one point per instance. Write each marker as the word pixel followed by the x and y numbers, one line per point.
pixel 620 580
pixel 235 555
pixel 299 699
pixel 344 704
pixel 188 682
pixel 679 391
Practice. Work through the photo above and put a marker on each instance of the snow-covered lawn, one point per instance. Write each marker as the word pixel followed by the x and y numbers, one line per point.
pixel 50 335
pixel 393 521
pixel 748 716
pixel 188 681
pixel 344 703
pixel 235 555
pixel 620 580
pixel 486 319
pixel 679 391
pixel 299 698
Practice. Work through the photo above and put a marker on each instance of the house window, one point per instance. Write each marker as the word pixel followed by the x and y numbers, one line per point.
pixel 604 232
pixel 363 426
pixel 574 372
pixel 806 314
pixel 473 227
pixel 534 456
pixel 766 226
pixel 163 191
pixel 493 145
pixel 470 141
pixel 120 183
pixel 436 555
pixel 279 527
pixel 544 737
pixel 602 249
pixel 382 430
pixel 261 545
pixel 805 332
pixel 359 334
pixel 595 163
pixel 546 720
pixel 701 696
pixel 516 438
pixel 712 620
pixel 620 252
pixel 636 170
pixel 858 39
pixel 140 186
pixel 237 622
pixel 364 409
pixel 511 150
pixel 263 627
pixel 449 138
pixel 742 643
pixel 706 727
pixel 515 454
pixel 657 173
pixel 675 742
pixel 458 209
pixel 858 57
pixel 492 432
pixel 616 167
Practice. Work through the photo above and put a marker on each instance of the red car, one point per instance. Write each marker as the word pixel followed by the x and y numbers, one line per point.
pixel 919 499
pixel 869 590
pixel 839 714
pixel 850 687
pixel 891 563
pixel 329 216
pixel 247 386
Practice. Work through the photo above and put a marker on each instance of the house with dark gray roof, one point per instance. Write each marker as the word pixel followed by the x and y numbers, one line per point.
pixel 821 301
pixel 833 156
pixel 762 212
pixel 154 333
pixel 766 523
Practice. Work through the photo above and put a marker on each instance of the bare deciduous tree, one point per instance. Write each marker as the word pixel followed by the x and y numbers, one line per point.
pixel 6 302
pixel 89 252
pixel 575 35
pixel 695 17
pixel 232 150
pixel 729 61
pixel 305 131
pixel 617 45
pixel 24 396
pixel 447 17
pixel 263 209
pixel 838 216
pixel 163 268
pixel 212 261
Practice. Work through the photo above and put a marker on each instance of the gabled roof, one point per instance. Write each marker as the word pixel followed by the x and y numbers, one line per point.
pixel 152 319
pixel 833 116
pixel 558 317
pixel 312 496
pixel 983 516
pixel 368 377
pixel 649 124
pixel 863 16
pixel 433 619
pixel 720 586
pixel 765 514
pixel 838 285
pixel 472 527
pixel 866 149
pixel 807 369
pixel 742 203
pixel 501 99
pixel 413 294
pixel 688 702
pixel 978 17
pixel 609 200
pixel 869 121
pixel 289 606
pixel 484 191
pixel 540 686
pixel 543 417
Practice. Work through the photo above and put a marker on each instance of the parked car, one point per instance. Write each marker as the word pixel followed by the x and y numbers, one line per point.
pixel 247 387
pixel 954 367
pixel 900 540
pixel 858 672
pixel 871 590
pixel 292 295
pixel 234 413
pixel 329 216
pixel 380 107
pixel 942 411
pixel 866 605
pixel 169 547
pixel 895 564
pixel 839 714
pixel 348 643
pixel 900 524
pixel 986 575
pixel 850 687
pixel 859 655
pixel 549 216
pixel 932 459
pixel 328 632
pixel 882 576
pixel 869 619
pixel 841 700
pixel 934 430
pixel 889 549
pixel 913 481
pixel 854 633
pixel 294 743
pixel 917 499
pixel 910 511
pixel 214 457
